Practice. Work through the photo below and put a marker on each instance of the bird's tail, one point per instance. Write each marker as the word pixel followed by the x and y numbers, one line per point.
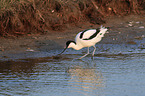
pixel 103 30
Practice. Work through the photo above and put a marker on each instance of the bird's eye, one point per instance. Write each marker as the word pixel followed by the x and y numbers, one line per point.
pixel 100 33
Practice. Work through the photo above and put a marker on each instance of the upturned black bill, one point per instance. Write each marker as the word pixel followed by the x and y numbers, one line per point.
pixel 62 51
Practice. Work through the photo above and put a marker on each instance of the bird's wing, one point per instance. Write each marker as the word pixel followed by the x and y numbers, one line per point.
pixel 89 34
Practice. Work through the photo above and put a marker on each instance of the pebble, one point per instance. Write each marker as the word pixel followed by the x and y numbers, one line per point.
pixel 143 36
pixel 131 22
pixel 130 25
pixel 141 27
pixel 31 50
pixel 137 22
pixel 119 32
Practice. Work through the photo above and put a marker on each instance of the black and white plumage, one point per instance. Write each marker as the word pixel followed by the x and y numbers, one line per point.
pixel 87 38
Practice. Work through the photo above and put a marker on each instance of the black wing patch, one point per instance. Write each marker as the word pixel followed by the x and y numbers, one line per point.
pixel 94 35
pixel 81 36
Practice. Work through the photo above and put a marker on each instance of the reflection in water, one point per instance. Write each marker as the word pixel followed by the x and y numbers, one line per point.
pixel 50 77
pixel 88 80
pixel 29 76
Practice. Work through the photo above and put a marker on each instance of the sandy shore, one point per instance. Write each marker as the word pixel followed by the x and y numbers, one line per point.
pixel 122 30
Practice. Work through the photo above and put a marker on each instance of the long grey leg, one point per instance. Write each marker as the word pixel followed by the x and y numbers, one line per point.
pixel 93 51
pixel 85 54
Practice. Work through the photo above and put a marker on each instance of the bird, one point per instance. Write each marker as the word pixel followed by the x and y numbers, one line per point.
pixel 86 38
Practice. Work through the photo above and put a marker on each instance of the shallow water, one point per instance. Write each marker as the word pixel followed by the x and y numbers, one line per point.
pixel 119 71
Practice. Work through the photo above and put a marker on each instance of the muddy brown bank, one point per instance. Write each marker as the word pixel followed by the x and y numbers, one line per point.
pixel 122 30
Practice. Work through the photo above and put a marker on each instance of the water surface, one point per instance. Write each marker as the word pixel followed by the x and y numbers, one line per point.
pixel 119 71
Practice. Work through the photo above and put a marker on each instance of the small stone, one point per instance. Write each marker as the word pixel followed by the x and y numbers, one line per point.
pixel 130 25
pixel 141 27
pixel 143 36
pixel 31 50
pixel 137 22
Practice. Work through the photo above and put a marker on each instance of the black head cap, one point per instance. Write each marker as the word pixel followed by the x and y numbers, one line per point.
pixel 68 42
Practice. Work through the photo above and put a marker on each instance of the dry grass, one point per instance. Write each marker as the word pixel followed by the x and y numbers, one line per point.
pixel 18 17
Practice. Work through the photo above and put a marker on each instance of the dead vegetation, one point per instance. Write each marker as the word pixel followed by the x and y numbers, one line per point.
pixel 19 17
